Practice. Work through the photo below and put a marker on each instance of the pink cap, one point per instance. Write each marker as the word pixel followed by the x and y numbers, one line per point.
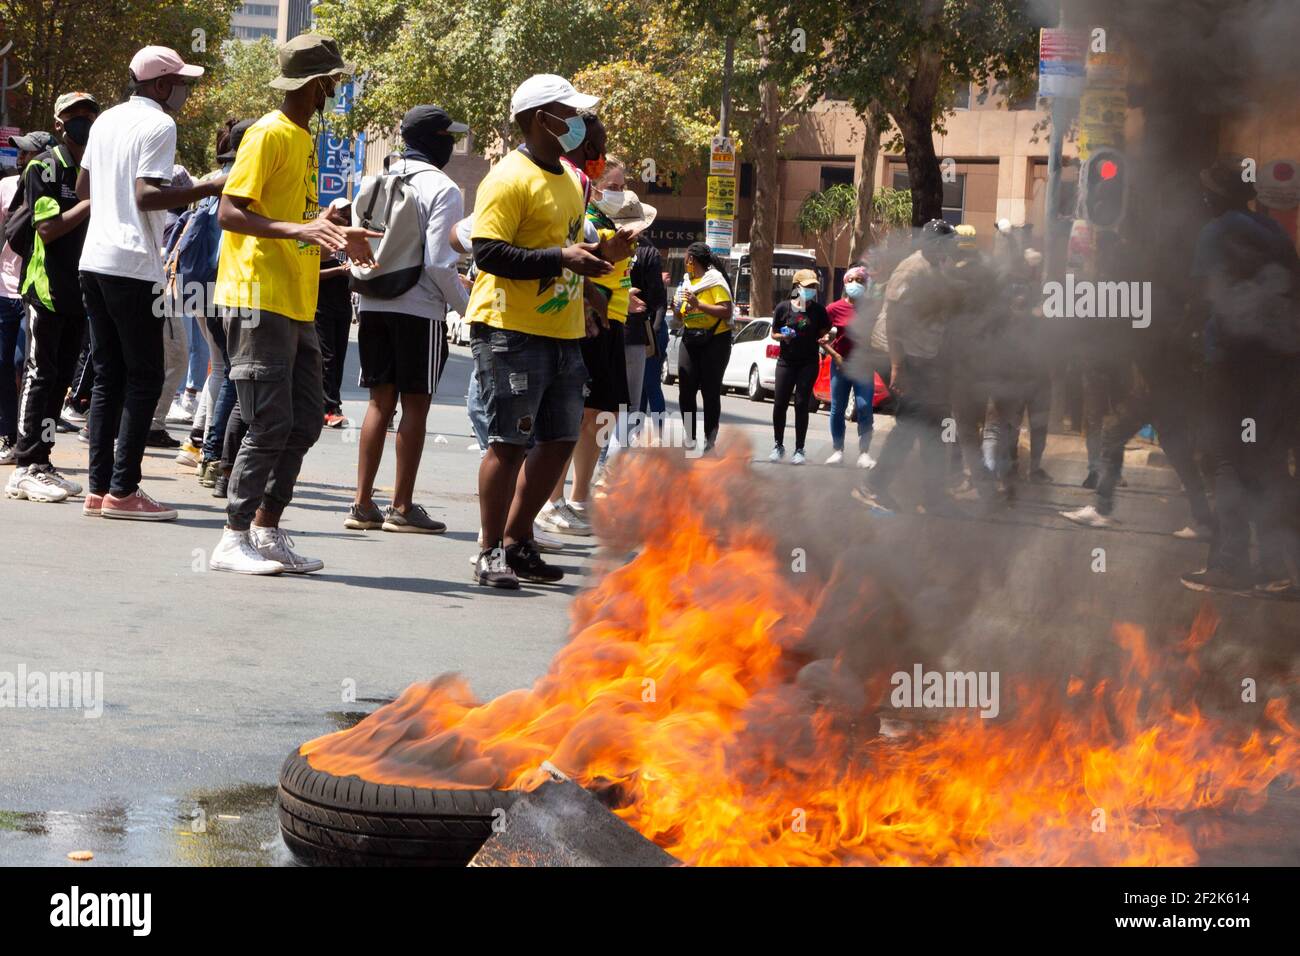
pixel 151 62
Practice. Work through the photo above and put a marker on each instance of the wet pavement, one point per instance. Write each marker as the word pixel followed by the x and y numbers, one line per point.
pixel 210 680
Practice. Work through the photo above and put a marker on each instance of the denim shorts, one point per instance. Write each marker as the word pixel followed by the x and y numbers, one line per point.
pixel 531 385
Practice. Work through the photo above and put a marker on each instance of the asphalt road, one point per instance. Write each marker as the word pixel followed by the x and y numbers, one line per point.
pixel 210 680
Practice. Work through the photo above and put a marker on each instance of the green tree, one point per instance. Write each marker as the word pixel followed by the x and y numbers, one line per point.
pixel 766 100
pixel 467 56
pixel 825 216
pixel 891 208
pixel 87 44
pixel 900 60
pixel 237 87
pixel 648 125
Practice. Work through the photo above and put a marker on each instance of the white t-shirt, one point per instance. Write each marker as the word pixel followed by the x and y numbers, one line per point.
pixel 10 264
pixel 133 140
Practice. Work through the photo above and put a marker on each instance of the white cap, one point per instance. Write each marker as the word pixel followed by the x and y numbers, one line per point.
pixel 543 88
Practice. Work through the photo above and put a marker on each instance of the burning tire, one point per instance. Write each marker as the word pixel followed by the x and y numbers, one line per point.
pixel 346 821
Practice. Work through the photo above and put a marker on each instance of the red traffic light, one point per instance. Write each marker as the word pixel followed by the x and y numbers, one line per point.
pixel 1108 169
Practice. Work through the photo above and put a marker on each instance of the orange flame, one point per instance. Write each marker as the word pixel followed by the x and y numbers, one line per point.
pixel 675 700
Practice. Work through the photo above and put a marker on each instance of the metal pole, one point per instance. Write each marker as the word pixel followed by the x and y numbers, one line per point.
pixel 728 57
pixel 4 83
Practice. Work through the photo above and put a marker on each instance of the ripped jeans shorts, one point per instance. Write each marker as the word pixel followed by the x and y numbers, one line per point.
pixel 531 385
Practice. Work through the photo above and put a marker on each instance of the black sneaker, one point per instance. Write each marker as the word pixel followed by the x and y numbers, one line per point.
pixel 364 519
pixel 65 427
pixel 1092 480
pixel 219 486
pixel 527 564
pixel 1215 579
pixel 491 570
pixel 159 438
pixel 416 520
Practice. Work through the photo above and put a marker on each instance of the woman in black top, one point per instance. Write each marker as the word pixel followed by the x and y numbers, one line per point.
pixel 798 324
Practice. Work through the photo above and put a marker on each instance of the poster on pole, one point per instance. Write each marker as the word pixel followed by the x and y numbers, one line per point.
pixel 719 234
pixel 1061 62
pixel 722 157
pixel 721 197
pixel 336 155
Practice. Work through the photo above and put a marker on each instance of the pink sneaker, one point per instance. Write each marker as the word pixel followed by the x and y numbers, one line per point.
pixel 93 508
pixel 137 506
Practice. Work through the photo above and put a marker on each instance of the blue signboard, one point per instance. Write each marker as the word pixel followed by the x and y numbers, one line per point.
pixel 337 158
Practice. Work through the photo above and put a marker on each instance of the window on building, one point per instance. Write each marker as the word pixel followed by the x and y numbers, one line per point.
pixel 252 33
pixel 961 97
pixel 257 10
pixel 836 175
pixel 461 145
pixel 954 195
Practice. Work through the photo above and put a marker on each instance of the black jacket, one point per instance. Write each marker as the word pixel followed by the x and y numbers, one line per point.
pixel 647 276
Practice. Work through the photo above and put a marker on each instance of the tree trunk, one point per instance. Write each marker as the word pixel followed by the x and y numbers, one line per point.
pixel 916 122
pixel 762 231
pixel 864 181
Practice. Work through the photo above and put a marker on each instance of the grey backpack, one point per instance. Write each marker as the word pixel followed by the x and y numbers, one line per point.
pixel 391 205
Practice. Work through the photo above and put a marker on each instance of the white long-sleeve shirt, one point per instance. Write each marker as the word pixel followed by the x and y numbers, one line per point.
pixel 438 288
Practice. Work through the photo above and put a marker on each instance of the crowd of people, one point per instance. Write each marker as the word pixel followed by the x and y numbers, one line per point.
pixel 961 342
pixel 568 306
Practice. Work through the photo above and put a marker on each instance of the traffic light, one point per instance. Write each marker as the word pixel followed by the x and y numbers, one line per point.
pixel 1105 188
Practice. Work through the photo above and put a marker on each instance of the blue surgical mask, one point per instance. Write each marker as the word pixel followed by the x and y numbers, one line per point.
pixel 854 289
pixel 572 138
pixel 807 294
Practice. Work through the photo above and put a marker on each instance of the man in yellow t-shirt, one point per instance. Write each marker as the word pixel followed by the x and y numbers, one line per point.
pixel 267 279
pixel 526 315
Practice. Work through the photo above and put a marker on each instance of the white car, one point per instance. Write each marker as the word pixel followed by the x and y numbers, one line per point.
pixel 457 328
pixel 752 367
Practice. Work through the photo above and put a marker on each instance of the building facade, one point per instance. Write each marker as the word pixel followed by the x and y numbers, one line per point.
pixel 280 20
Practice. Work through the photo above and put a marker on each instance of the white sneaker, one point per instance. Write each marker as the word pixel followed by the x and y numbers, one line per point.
pixel 778 453
pixel 71 487
pixel 544 541
pixel 275 544
pixel 561 519
pixel 236 553
pixel 182 410
pixel 68 413
pixel 1090 517
pixel 837 456
pixel 8 453
pixel 798 458
pixel 1195 532
pixel 579 518
pixel 866 461
pixel 37 485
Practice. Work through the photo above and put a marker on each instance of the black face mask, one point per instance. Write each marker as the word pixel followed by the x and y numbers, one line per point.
pixel 434 149
pixel 77 130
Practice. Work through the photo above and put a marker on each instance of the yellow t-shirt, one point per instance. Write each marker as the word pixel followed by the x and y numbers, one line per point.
pixel 520 203
pixel 699 320
pixel 276 168
pixel 618 282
